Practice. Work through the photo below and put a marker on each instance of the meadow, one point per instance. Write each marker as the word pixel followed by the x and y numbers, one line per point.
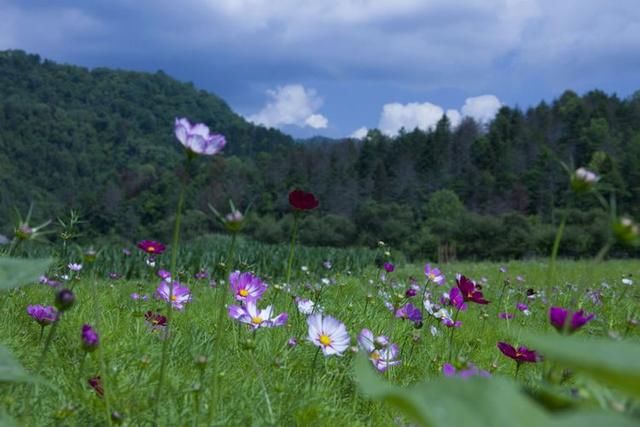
pixel 227 331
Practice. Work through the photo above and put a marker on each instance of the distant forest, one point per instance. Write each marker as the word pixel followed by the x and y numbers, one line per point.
pixel 101 141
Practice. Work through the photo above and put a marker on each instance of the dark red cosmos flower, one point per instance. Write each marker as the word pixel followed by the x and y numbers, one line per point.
pixel 522 354
pixel 96 384
pixel 155 320
pixel 302 200
pixel 151 247
pixel 469 290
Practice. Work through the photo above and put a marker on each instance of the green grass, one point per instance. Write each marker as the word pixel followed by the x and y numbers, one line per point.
pixel 261 380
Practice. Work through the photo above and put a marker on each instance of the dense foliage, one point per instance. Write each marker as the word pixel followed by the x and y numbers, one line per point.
pixel 96 140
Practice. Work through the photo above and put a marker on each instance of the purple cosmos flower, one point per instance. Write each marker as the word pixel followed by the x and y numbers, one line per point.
pixel 292 342
pixel 201 275
pixel 246 287
pixel 503 269
pixel 90 338
pixel 151 247
pixel 449 323
pixel 409 312
pixel 327 264
pixel 328 333
pixel 455 298
pixel 469 291
pixel 136 296
pixel 49 282
pixel 522 307
pixel 381 353
pixel 75 267
pixel 410 292
pixel 434 275
pixel 197 138
pixel 558 317
pixel 44 315
pixel 65 299
pixel 178 298
pixel 126 251
pixel 522 354
pixel 164 275
pixel 114 276
pixel 505 316
pixel 256 318
pixel 389 267
pixel 449 370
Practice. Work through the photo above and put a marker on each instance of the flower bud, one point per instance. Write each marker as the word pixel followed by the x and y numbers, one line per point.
pixel 627 231
pixel 583 180
pixel 64 299
pixel 90 338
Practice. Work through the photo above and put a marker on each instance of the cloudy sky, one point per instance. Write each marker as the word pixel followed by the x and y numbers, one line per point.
pixel 339 67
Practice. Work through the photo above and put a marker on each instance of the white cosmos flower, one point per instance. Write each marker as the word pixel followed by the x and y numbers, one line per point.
pixel 328 333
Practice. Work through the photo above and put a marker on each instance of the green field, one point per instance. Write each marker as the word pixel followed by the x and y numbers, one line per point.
pixel 259 378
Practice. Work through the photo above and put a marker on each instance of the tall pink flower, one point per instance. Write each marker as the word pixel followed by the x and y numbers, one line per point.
pixel 178 298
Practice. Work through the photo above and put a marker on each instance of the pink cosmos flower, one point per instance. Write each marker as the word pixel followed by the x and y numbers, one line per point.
pixel 44 315
pixel 246 287
pixel 256 318
pixel 178 298
pixel 434 275
pixel 381 353
pixel 328 333
pixel 520 355
pixel 151 247
pixel 197 138
pixel 469 290
pixel 558 317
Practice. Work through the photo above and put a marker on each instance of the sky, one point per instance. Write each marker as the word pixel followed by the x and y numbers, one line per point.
pixel 340 67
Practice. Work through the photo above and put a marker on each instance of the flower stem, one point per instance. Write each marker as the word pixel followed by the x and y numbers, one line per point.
pixel 103 365
pixel 292 245
pixel 174 275
pixel 313 369
pixel 453 328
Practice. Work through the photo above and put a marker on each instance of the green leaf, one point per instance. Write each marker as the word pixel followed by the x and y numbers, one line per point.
pixel 445 401
pixel 616 363
pixel 16 272
pixel 8 421
pixel 477 401
pixel 11 370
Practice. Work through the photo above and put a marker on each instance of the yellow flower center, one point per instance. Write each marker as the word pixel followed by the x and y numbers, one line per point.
pixel 174 298
pixel 151 249
pixel 325 340
pixel 243 292
pixel 375 355
pixel 256 320
pixel 432 276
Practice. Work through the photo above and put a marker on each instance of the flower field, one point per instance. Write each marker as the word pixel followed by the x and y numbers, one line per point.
pixel 226 331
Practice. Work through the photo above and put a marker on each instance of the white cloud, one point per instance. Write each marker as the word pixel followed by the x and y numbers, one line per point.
pixel 291 105
pixel 482 108
pixel 359 133
pixel 396 116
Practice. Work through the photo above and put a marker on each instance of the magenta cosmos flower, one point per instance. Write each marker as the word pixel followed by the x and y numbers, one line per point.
pixel 90 338
pixel 246 287
pixel 469 291
pixel 178 298
pixel 471 370
pixel 434 275
pixel 409 312
pixel 520 355
pixel 389 267
pixel 151 247
pixel 558 317
pixel 303 201
pixel 256 318
pixel 44 315
pixel 381 353
pixel 197 138
pixel 328 333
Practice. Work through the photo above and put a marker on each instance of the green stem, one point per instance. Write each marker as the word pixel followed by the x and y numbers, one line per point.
pixel 453 328
pixel 556 246
pixel 174 275
pixel 103 365
pixel 294 234
pixel 313 369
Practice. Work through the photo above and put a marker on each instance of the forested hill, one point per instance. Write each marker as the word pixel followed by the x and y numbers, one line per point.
pixel 102 141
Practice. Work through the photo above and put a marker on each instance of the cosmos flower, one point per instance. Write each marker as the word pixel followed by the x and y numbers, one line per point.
pixel 409 312
pixel 75 267
pixel 522 354
pixel 90 338
pixel 455 298
pixel 302 200
pixel 469 291
pixel 155 321
pixel 583 180
pixel 382 353
pixel 256 318
pixel 151 247
pixel 434 275
pixel 201 275
pixel 328 333
pixel 471 370
pixel 389 267
pixel 180 296
pixel 197 138
pixel 246 287
pixel 449 323
pixel 505 316
pixel 306 306
pixel 164 275
pixel 44 315
pixel 136 296
pixel 558 317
